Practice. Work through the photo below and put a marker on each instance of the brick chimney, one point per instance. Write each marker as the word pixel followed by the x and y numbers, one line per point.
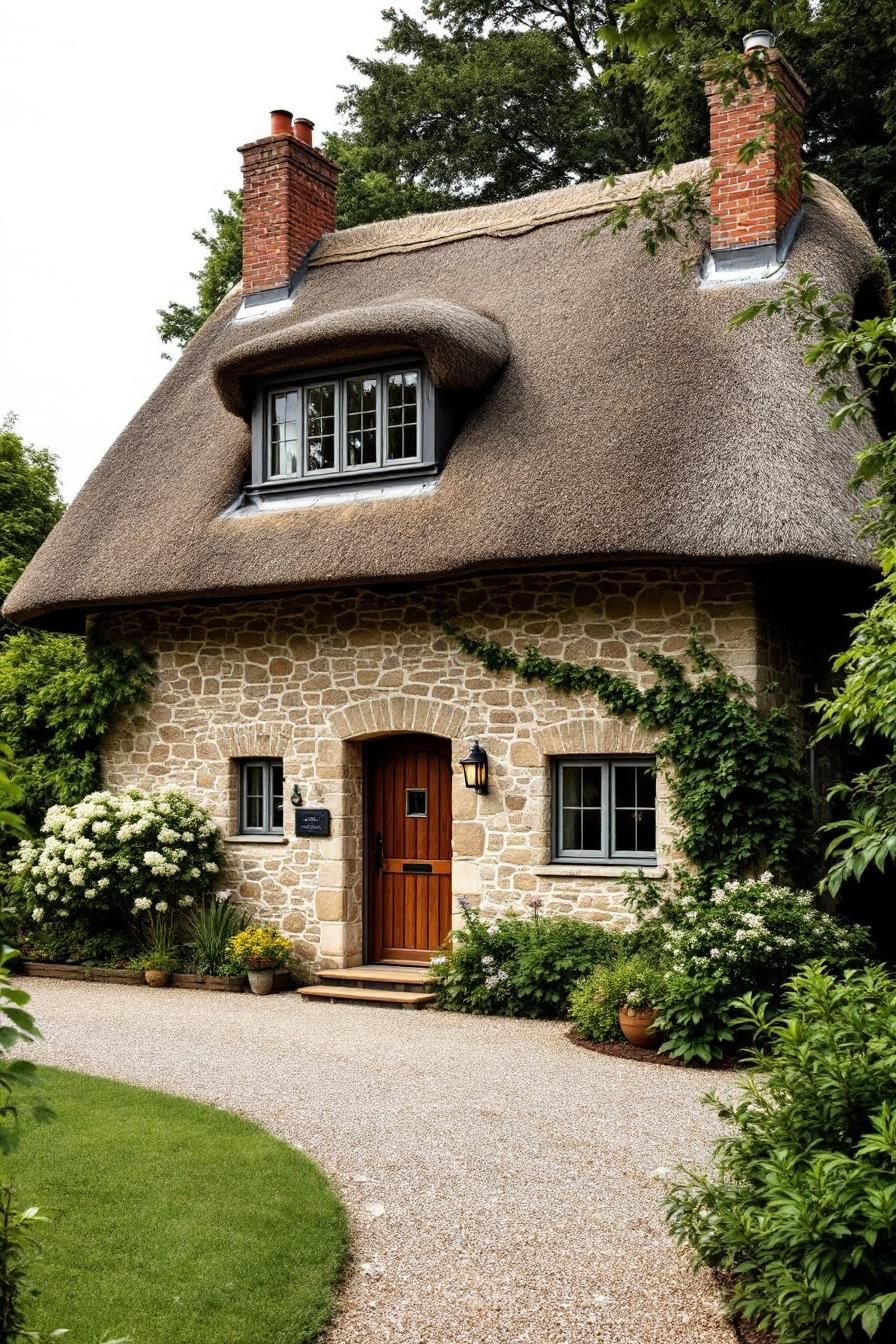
pixel 752 203
pixel 289 201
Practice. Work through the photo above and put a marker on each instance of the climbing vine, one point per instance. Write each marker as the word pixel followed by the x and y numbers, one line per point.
pixel 738 797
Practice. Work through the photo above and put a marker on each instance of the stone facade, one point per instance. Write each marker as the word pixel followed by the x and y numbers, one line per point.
pixel 312 676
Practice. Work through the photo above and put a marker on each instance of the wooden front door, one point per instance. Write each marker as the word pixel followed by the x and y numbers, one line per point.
pixel 408 847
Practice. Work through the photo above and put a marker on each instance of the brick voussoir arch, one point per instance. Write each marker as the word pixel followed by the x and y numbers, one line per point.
pixel 397 714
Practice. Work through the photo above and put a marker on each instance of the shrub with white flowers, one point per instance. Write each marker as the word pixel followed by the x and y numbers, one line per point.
pixel 116 855
pixel 751 934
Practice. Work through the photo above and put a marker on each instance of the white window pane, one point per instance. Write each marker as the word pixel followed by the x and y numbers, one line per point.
pixel 283 457
pixel 320 427
pixel 361 422
pixel 401 416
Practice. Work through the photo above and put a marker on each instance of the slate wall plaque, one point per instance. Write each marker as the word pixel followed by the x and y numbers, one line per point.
pixel 312 821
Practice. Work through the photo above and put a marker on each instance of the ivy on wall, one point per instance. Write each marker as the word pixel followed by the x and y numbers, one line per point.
pixel 738 796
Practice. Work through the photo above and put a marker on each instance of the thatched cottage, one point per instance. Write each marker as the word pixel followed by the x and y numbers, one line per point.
pixel 494 414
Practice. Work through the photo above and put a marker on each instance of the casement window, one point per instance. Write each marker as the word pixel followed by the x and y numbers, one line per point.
pixel 261 797
pixel 604 809
pixel 348 425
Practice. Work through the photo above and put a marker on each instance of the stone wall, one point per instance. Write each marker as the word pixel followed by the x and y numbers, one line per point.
pixel 310 677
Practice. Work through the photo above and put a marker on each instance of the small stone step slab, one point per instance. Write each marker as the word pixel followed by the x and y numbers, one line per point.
pixel 377 974
pixel 399 998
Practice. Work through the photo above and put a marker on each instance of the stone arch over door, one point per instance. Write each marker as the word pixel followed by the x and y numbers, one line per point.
pixel 340 772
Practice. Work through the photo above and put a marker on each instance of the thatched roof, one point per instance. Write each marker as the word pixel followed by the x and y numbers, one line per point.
pixel 617 416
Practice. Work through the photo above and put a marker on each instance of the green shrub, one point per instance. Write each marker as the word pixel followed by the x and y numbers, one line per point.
pixel 635 981
pixel 209 931
pixel 114 858
pixel 59 695
pixel 801 1212
pixel 519 967
pixel 746 935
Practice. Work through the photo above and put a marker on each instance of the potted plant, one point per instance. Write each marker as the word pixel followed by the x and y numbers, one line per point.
pixel 157 967
pixel 260 951
pixel 639 986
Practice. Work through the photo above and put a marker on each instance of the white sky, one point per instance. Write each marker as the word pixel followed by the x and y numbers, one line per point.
pixel 118 131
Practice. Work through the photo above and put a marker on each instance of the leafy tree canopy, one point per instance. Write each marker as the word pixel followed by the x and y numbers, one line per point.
pixel 30 502
pixel 480 100
pixel 219 272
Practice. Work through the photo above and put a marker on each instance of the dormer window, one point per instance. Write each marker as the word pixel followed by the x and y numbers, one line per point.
pixel 352 423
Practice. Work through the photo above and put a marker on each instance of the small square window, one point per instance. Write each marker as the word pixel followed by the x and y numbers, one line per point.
pixel 605 809
pixel 261 797
pixel 415 803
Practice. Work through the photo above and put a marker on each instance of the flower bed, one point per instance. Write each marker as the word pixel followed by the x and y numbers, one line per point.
pixel 233 984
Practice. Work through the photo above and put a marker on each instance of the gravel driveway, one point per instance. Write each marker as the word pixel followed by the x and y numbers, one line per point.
pixel 498 1178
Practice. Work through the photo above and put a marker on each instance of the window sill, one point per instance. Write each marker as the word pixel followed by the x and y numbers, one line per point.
pixel 256 839
pixel 601 870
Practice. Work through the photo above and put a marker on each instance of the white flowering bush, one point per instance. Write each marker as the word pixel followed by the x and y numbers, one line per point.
pixel 751 934
pixel 114 856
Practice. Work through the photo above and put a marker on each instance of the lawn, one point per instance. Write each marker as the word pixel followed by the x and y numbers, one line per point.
pixel 173 1222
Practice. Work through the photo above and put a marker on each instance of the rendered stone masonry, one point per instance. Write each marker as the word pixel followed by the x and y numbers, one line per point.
pixel 312 676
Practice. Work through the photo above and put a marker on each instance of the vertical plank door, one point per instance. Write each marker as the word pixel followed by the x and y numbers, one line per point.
pixel 408 847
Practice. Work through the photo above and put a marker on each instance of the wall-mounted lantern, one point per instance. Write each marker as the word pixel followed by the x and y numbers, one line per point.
pixel 475 768
pixel 296 796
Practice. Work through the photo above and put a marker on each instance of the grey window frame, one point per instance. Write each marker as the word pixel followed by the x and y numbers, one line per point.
pixel 430 440
pixel 267 763
pixel 607 854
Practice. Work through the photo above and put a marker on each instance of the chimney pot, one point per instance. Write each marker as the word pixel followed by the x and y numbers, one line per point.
pixel 281 122
pixel 303 130
pixel 760 37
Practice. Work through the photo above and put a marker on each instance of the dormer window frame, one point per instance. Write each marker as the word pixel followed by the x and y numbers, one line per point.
pixel 434 423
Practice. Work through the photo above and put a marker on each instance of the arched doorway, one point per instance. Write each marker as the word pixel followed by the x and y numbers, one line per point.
pixel 407 847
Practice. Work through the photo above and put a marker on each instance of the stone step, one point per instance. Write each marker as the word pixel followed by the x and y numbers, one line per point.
pixel 378 974
pixel 399 998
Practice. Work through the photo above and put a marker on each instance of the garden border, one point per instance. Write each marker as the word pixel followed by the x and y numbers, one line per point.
pixel 226 984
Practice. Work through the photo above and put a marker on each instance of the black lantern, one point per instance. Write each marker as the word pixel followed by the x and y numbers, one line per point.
pixel 296 796
pixel 475 768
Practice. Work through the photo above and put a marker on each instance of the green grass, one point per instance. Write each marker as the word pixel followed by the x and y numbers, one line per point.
pixel 172 1222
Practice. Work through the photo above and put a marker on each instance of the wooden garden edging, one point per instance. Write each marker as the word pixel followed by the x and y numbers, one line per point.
pixel 226 984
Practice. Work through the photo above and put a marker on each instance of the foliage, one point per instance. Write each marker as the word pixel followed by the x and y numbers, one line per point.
pixel 801 1212
pixel 58 696
pixel 74 940
pixel 113 856
pixel 176 1221
pixel 737 792
pixel 844 53
pixel 259 948
pixel 854 365
pixel 218 273
pixel 633 981
pixel 158 958
pixel 748 935
pixel 210 929
pixel 30 503
pixel 517 967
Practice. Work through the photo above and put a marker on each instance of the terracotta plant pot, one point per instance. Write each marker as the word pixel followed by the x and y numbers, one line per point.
pixel 261 982
pixel 636 1024
pixel 157 979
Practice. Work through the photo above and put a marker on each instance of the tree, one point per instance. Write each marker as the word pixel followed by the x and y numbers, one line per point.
pixel 30 502
pixel 218 273
pixel 845 51
pixel 481 100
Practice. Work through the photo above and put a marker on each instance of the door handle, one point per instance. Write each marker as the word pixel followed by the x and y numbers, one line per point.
pixel 378 851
